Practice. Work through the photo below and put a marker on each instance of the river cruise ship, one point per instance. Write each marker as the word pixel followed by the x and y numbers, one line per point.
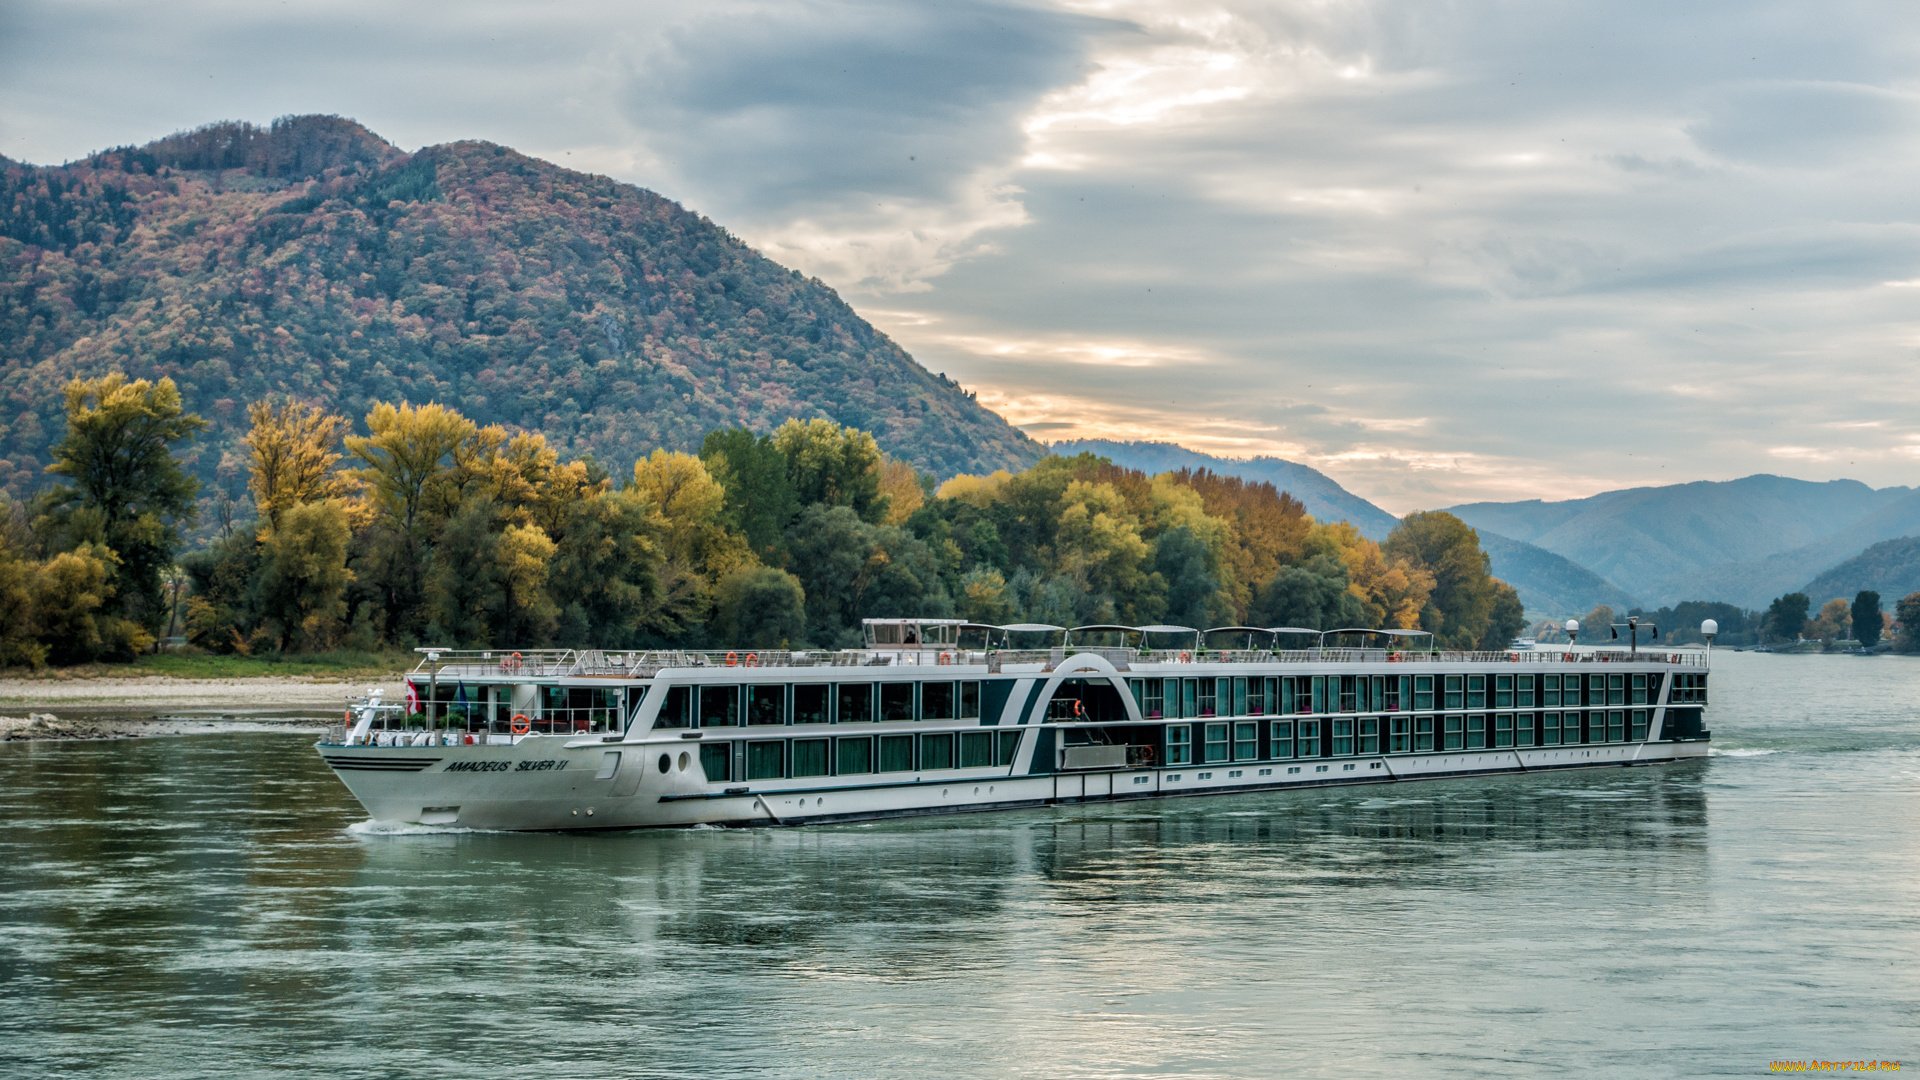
pixel 915 722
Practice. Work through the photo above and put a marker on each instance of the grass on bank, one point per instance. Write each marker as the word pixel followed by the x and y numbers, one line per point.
pixel 195 664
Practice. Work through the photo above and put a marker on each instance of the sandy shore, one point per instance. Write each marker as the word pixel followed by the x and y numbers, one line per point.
pixel 119 707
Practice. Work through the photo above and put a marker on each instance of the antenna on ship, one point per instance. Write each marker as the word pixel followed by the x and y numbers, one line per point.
pixel 1710 629
pixel 1573 631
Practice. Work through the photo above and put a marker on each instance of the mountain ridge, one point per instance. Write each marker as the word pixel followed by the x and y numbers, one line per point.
pixel 314 258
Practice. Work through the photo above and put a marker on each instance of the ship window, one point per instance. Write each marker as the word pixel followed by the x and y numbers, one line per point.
pixel 1639 690
pixel 896 701
pixel 1179 744
pixel 1550 691
pixel 1009 747
pixel 1280 738
pixel 1216 747
pixel 714 759
pixel 1503 691
pixel 1455 730
pixel 1207 702
pixel 676 709
pixel 767 705
pixel 1456 695
pixel 1637 732
pixel 1476 691
pixel 1321 703
pixel 853 702
pixel 1246 741
pixel 1257 696
pixel 936 751
pixel 1398 689
pixel 1189 697
pixel 853 756
pixel 767 760
pixel 1423 733
pixel 809 757
pixel 1550 727
pixel 1240 697
pixel 1400 735
pixel 1307 742
pixel 1502 727
pixel 1153 702
pixel 1617 725
pixel 1348 695
pixel 1616 689
pixel 936 701
pixel 719 706
pixel 810 703
pixel 1370 735
pixel 976 750
pixel 1342 738
pixel 896 753
pixel 1523 692
pixel 1523 729
pixel 969 701
pixel 1286 696
pixel 1422 692
pixel 1477 731
pixel 1596 690
pixel 1570 727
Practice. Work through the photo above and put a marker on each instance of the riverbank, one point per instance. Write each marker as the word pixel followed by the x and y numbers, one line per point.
pixel 121 705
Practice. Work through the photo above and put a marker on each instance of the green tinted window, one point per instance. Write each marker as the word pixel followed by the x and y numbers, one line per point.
pixel 853 702
pixel 809 757
pixel 767 760
pixel 853 756
pixel 936 751
pixel 896 753
pixel 714 759
pixel 976 749
pixel 1009 747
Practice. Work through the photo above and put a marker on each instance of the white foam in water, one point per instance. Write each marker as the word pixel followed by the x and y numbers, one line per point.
pixel 371 827
pixel 1714 751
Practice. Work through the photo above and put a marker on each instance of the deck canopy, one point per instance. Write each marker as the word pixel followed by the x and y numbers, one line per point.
pixel 911 633
pixel 1369 630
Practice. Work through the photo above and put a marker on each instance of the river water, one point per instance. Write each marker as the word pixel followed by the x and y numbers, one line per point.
pixel 207 905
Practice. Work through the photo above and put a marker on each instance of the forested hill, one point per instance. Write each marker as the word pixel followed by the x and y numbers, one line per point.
pixel 315 258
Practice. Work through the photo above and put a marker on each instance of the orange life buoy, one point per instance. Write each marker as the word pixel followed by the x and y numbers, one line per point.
pixel 1186 657
pixel 1513 657
pixel 1568 658
pixel 945 659
pixel 521 725
pixel 1393 658
pixel 753 660
pixel 511 664
pixel 733 659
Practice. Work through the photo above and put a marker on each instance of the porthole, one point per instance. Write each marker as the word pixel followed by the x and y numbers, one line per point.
pixel 684 761
pixel 666 762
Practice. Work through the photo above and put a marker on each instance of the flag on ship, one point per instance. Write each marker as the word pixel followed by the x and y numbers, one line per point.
pixel 413 698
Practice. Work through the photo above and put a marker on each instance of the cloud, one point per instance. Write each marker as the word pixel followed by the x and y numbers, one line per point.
pixel 1473 250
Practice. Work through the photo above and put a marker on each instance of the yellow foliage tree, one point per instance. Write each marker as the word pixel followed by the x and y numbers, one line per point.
pixel 406 459
pixel 900 487
pixel 973 490
pixel 292 458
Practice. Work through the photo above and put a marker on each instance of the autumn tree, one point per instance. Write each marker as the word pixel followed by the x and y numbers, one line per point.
pixel 833 466
pixel 404 465
pixel 292 451
pixel 303 577
pixel 1461 605
pixel 125 494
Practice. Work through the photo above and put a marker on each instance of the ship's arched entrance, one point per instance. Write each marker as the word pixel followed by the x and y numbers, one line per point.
pixel 1093 733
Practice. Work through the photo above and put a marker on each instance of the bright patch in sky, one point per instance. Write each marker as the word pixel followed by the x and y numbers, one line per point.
pixel 1442 253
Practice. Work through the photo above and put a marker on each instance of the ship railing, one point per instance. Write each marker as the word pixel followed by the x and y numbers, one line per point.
pixel 475 664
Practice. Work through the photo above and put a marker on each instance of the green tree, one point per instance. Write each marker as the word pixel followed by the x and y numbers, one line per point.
pixel 1313 596
pixel 1181 560
pixel 125 491
pixel 1866 618
pixel 760 498
pixel 605 575
pixel 760 608
pixel 1463 583
pixel 1505 620
pixel 851 569
pixel 1787 617
pixel 303 575
pixel 406 461
pixel 832 465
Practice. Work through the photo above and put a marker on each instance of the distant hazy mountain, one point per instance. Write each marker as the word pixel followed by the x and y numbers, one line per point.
pixel 1740 541
pixel 1550 585
pixel 1324 499
pixel 1890 568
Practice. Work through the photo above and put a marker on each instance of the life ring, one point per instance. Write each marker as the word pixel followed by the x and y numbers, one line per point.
pixel 1393 658
pixel 1186 657
pixel 945 659
pixel 521 725
pixel 1513 657
pixel 511 664
pixel 1567 659
pixel 733 659
pixel 753 660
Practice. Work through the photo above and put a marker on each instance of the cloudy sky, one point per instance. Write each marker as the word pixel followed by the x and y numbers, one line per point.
pixel 1441 251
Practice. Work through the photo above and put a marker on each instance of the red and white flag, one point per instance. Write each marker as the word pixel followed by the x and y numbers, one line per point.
pixel 413 699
